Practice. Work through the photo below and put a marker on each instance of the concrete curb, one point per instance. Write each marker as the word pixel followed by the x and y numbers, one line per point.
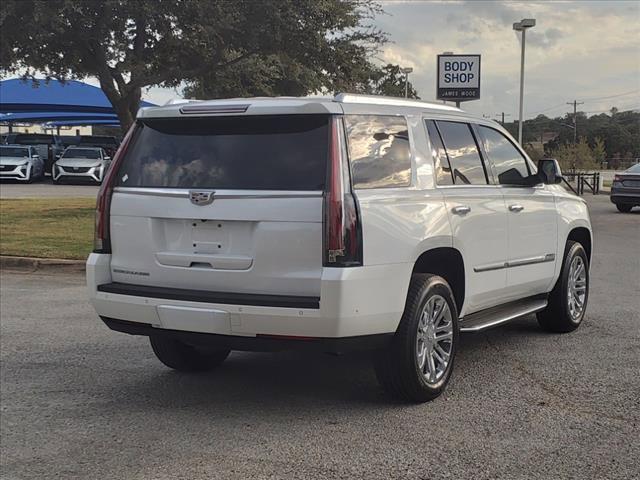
pixel 31 265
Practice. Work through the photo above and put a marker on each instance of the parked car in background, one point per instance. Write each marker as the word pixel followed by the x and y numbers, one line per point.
pixel 332 224
pixel 625 189
pixel 108 143
pixel 49 146
pixel 19 162
pixel 78 163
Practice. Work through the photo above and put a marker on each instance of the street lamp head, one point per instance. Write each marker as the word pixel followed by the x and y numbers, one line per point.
pixel 524 24
pixel 406 70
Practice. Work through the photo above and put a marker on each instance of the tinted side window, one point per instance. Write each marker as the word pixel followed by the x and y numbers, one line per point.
pixel 510 166
pixel 463 153
pixel 443 169
pixel 379 151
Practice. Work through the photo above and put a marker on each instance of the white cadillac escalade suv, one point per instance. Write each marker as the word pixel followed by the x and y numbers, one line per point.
pixel 332 224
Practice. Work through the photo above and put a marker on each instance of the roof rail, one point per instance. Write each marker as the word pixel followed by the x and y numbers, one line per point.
pixel 400 102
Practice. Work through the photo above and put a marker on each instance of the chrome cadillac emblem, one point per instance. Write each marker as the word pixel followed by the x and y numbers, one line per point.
pixel 200 198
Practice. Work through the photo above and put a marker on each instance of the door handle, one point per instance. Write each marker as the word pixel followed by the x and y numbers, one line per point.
pixel 516 208
pixel 461 210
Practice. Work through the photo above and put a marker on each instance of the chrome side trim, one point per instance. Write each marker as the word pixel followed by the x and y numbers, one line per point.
pixel 489 267
pixel 184 193
pixel 549 257
pixel 156 192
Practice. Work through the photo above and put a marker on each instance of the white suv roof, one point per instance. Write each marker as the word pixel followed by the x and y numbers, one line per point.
pixel 290 105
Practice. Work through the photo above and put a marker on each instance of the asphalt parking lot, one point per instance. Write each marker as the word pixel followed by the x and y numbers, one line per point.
pixel 46 189
pixel 82 402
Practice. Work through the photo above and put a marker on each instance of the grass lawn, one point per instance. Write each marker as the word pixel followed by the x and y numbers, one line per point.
pixel 47 227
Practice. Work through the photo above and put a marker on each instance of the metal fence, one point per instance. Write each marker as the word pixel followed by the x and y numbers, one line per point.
pixel 577 181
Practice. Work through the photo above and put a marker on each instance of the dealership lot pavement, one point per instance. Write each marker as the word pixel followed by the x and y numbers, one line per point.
pixel 79 401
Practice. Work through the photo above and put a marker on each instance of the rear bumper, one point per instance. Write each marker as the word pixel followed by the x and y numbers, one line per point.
pixel 353 302
pixel 625 198
pixel 258 343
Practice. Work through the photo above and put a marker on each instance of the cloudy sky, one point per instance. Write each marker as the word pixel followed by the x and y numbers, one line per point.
pixel 579 50
pixel 584 50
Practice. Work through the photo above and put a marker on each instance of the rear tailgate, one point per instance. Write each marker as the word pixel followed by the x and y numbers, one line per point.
pixel 222 204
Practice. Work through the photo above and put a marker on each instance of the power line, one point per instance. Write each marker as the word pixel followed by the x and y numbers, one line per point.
pixel 547 109
pixel 588 100
pixel 592 99
pixel 621 109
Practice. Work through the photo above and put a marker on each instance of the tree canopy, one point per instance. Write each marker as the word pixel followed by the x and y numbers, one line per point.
pixel 610 137
pixel 218 48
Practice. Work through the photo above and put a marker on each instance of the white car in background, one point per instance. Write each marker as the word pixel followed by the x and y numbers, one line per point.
pixel 81 164
pixel 18 162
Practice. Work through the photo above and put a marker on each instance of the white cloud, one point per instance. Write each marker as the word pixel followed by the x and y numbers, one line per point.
pixel 577 50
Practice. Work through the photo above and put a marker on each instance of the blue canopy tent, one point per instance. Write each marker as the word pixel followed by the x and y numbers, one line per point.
pixel 71 102
pixel 48 117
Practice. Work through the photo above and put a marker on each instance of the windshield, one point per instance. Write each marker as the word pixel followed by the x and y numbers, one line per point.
pixel 255 152
pixel 634 169
pixel 14 152
pixel 33 140
pixel 81 153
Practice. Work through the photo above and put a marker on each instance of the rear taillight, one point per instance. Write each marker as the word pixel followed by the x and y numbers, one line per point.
pixel 102 237
pixel 342 231
pixel 617 178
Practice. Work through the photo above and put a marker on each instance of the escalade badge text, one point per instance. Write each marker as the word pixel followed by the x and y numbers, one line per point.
pixel 200 198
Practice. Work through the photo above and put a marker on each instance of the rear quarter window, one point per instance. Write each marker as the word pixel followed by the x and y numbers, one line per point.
pixel 379 151
pixel 247 152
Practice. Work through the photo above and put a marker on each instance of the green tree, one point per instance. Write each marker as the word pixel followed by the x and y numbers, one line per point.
pixel 578 156
pixel 292 46
pixel 599 151
pixel 390 81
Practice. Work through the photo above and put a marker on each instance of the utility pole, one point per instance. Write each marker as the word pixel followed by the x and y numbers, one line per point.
pixel 575 115
pixel 504 115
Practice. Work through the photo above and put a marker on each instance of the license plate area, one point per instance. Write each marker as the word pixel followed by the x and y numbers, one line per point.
pixel 194 319
pixel 209 236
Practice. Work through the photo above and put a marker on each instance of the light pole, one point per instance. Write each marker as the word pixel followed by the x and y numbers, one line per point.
pixel 406 71
pixel 522 26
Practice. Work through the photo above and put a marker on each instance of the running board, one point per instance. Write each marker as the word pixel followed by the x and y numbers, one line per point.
pixel 492 317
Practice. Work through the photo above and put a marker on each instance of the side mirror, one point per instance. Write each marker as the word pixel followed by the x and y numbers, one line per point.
pixel 549 171
pixel 106 158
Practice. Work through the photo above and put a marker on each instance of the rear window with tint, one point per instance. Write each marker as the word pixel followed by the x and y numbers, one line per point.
pixel 254 152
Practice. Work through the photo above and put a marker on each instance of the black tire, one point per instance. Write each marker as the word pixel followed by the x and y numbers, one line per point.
pixel 186 358
pixel 397 366
pixel 623 208
pixel 557 317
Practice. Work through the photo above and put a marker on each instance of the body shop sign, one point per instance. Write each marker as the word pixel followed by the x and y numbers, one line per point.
pixel 458 77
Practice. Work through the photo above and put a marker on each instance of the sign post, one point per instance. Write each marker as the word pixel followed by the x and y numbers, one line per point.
pixel 458 77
